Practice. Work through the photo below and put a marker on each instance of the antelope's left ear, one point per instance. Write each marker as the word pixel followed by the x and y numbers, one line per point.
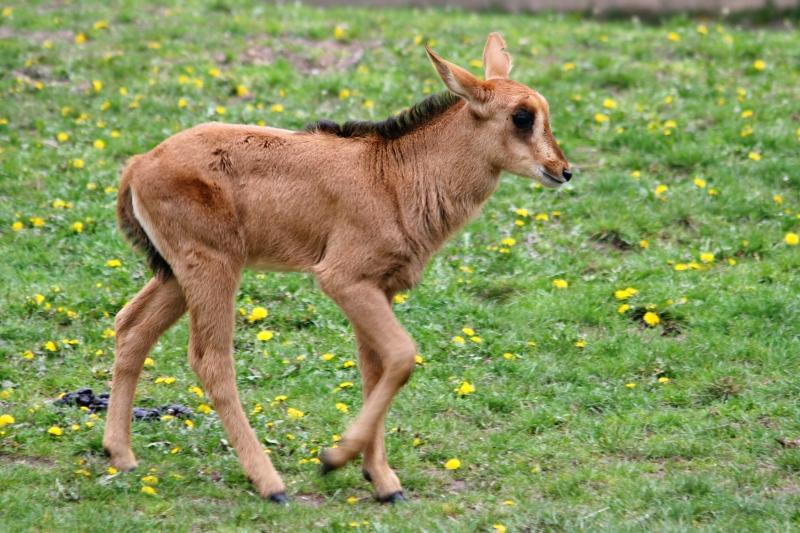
pixel 459 81
pixel 496 61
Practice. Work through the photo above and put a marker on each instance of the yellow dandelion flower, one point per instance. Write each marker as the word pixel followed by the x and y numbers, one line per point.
pixel 459 340
pixel 344 94
pixel 624 294
pixel 220 110
pixel 241 91
pixel 342 407
pixel 663 379
pixel 214 72
pixel 499 528
pixel 560 283
pixel 352 500
pixel 339 33
pixel 80 38
pixel 674 37
pixel 759 64
pixel 277 108
pixel 182 103
pixel 631 385
pixel 700 183
pixel 580 343
pixel 113 263
pixel 600 118
pixel 651 319
pixel 294 414
pixel 791 238
pixel 78 163
pixel 566 67
pixel 610 103
pixel 327 357
pixel 755 156
pixel 707 257
pixel 702 29
pixel 452 464
pixel 62 136
pixel 150 491
pixel 99 144
pixel 265 335
pixel 204 408
pixel 6 420
pixel 77 227
pixel 17 226
pixel 623 308
pixel 258 313
pixel 465 388
pixel 55 431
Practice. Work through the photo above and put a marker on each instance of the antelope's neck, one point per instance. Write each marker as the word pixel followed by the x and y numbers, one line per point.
pixel 443 177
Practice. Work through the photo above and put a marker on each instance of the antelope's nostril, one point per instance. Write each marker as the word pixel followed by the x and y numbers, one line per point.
pixel 567 174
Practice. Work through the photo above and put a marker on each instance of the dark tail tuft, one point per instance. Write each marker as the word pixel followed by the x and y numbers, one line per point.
pixel 134 231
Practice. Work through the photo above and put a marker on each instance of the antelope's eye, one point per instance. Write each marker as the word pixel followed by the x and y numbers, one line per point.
pixel 523 119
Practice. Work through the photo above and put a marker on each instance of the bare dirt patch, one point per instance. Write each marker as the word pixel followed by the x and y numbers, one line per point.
pixel 306 55
pixel 38 36
pixel 31 461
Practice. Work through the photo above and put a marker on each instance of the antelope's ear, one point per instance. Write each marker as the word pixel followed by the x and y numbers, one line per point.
pixel 496 61
pixel 458 80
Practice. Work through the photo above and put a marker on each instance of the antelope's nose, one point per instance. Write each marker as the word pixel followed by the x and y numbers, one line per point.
pixel 567 175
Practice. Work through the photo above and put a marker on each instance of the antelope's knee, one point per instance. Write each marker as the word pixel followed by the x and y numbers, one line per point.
pixel 401 360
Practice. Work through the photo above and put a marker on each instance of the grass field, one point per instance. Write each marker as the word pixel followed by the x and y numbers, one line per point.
pixel 567 406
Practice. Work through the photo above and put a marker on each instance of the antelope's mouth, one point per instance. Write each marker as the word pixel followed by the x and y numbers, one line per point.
pixel 550 180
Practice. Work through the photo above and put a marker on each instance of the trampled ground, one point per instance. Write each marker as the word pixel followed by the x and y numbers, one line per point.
pixel 564 407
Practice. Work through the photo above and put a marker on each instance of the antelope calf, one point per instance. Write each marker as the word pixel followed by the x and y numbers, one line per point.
pixel 361 205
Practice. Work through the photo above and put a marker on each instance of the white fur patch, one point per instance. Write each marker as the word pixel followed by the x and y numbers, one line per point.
pixel 145 222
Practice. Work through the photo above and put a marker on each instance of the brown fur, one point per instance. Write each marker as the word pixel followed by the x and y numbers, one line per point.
pixel 362 207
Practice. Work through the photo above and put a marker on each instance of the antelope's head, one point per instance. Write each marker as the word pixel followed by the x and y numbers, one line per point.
pixel 512 121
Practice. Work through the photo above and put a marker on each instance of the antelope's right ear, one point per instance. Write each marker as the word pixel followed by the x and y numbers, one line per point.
pixel 458 80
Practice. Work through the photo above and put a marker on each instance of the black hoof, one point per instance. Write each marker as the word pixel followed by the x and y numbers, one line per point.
pixel 280 498
pixel 325 467
pixel 395 497
pixel 366 475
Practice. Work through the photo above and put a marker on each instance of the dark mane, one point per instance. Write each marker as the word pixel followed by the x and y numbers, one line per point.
pixel 393 127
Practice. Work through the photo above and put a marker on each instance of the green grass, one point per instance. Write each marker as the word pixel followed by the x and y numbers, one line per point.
pixel 575 438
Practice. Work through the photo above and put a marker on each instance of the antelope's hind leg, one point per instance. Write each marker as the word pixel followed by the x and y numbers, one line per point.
pixel 138 326
pixel 210 291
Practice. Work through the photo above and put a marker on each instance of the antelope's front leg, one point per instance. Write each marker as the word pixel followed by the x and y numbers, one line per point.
pixel 368 309
pixel 376 467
